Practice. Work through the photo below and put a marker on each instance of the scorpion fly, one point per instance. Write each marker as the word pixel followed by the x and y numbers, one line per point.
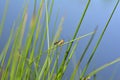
pixel 59 43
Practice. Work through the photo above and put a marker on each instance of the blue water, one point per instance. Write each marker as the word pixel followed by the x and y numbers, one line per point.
pixel 97 14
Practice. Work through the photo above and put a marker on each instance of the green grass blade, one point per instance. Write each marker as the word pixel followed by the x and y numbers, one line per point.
pixel 78 27
pixel 103 67
pixel 69 58
pixel 34 22
pixel 41 47
pixel 94 77
pixel 19 44
pixel 88 34
pixel 35 2
pixel 47 27
pixel 53 47
pixel 55 38
pixel 42 38
pixel 53 69
pixel 48 42
pixel 57 34
pixel 30 61
pixel 114 72
pixel 83 54
pixel 75 34
pixel 14 47
pixel 43 69
pixel 4 17
pixel 4 52
pixel 47 61
pixel 59 74
pixel 24 53
pixel 97 44
pixel 51 8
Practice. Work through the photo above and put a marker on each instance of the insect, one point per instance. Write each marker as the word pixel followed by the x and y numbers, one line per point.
pixel 59 43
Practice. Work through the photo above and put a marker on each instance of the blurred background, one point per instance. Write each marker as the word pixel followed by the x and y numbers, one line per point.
pixel 97 15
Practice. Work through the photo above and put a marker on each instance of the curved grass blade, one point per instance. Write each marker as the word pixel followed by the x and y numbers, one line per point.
pixel 97 44
pixel 83 36
pixel 103 67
